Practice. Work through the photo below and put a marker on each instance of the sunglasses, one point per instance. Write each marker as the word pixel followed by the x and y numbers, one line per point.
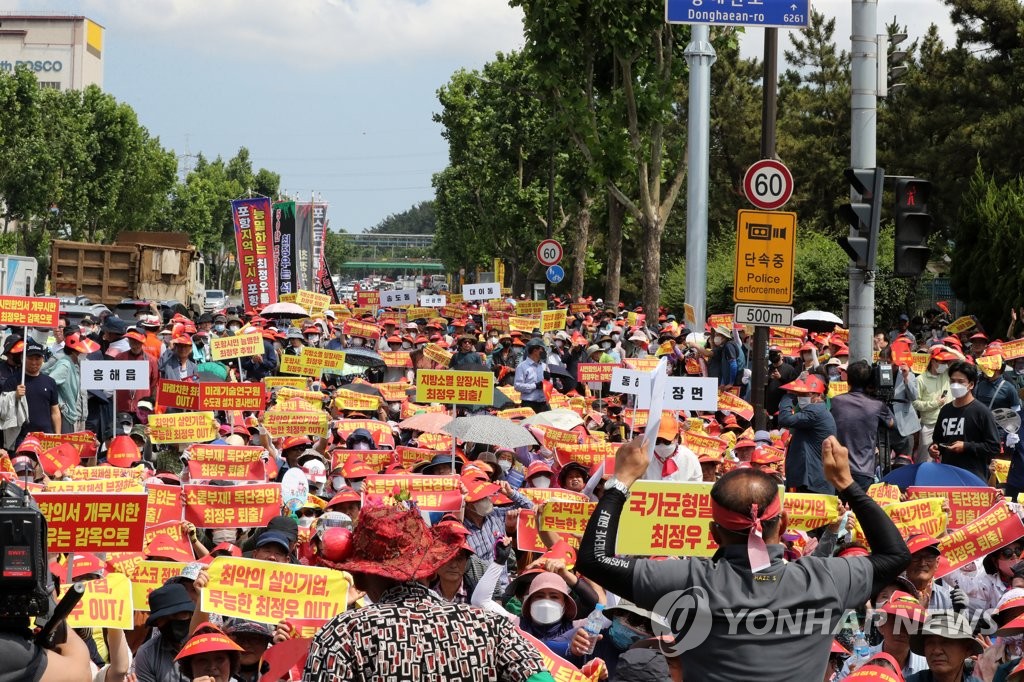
pixel 308 513
pixel 1009 552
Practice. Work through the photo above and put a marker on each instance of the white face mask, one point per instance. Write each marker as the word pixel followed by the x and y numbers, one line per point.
pixel 803 401
pixel 546 611
pixel 664 450
pixel 313 340
pixel 493 340
pixel 559 343
pixel 357 343
pixel 606 345
pixel 234 329
pixel 338 482
pixel 483 507
pixel 505 465
pixel 305 521
pixel 719 341
pixel 616 337
pixel 541 481
pixel 356 485
pixel 958 390
pixel 406 345
pixel 941 368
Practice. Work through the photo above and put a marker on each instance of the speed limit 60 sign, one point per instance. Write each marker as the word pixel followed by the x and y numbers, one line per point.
pixel 768 184
pixel 549 252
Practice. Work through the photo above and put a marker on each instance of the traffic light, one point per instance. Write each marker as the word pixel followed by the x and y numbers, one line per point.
pixel 863 217
pixel 890 61
pixel 913 225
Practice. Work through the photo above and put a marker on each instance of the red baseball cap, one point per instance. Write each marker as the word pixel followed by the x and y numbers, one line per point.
pixel 920 541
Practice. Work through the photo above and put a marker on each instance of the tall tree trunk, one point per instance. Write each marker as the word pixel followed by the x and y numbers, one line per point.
pixel 579 249
pixel 616 218
pixel 652 233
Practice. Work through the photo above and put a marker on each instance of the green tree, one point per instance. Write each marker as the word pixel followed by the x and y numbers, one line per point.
pixel 418 219
pixel 338 250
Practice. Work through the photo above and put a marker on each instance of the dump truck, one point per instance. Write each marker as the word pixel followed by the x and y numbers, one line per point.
pixel 148 266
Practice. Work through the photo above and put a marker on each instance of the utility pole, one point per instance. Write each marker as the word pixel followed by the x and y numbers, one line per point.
pixel 769 86
pixel 863 104
pixel 700 55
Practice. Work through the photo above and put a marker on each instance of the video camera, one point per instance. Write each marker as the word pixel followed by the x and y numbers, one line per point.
pixel 23 558
pixel 883 381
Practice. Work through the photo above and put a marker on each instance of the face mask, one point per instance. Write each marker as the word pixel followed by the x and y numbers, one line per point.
pixel 218 328
pixel 606 345
pixel 505 465
pixel 234 329
pixel 483 507
pixel 356 485
pixel 541 481
pixel 126 429
pixel 305 521
pixel 420 346
pixel 357 343
pixel 833 376
pixel 175 631
pixel 616 337
pixel 559 344
pixel 493 340
pixel 623 636
pixel 545 453
pixel 546 611
pixel 958 390
pixel 665 450
pixel 719 341
pixel 941 368
pixel 313 339
pixel 803 401
pixel 406 345
pixel 1019 370
pixel 338 482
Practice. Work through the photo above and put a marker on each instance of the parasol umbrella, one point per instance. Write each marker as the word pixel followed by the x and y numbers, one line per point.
pixel 427 422
pixel 365 389
pixel 817 321
pixel 1006 419
pixel 292 310
pixel 560 418
pixel 490 430
pixel 361 357
pixel 932 474
pixel 563 380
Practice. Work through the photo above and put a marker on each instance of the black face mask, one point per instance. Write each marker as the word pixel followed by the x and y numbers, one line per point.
pixel 175 631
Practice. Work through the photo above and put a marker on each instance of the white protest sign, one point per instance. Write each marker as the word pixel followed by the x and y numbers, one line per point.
pixel 115 375
pixel 397 298
pixel 631 381
pixel 695 394
pixel 658 383
pixel 433 301
pixel 481 292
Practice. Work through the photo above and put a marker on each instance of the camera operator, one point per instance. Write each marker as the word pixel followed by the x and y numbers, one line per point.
pixel 780 373
pixel 22 660
pixel 858 417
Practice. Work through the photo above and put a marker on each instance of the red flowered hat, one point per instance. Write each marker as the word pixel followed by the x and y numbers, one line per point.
pixel 395 543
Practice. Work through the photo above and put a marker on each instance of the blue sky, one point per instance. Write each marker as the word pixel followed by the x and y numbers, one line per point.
pixel 335 95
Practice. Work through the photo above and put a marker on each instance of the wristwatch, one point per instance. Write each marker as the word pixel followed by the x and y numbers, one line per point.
pixel 615 484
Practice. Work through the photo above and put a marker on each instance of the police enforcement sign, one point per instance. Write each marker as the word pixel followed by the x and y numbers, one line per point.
pixel 777 13
pixel 765 256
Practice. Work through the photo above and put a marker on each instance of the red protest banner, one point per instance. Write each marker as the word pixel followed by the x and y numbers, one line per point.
pixel 595 372
pixel 587 454
pixel 29 311
pixel 431 493
pixel 408 457
pixel 93 522
pixel 965 504
pixel 226 471
pixel 164 504
pixel 528 539
pixel 995 528
pixel 380 431
pixel 83 441
pixel 240 506
pixel 255 245
pixel 542 495
pixel 232 396
pixel 732 403
pixel 375 459
pixel 182 395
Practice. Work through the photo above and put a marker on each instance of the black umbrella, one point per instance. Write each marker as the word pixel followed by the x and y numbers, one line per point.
pixel 365 389
pixel 561 378
pixel 363 357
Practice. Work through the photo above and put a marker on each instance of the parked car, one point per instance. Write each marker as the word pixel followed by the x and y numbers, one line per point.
pixel 216 299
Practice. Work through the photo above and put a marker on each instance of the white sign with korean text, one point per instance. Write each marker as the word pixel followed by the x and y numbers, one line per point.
pixel 397 298
pixel 696 394
pixel 481 292
pixel 115 375
pixel 631 381
pixel 433 301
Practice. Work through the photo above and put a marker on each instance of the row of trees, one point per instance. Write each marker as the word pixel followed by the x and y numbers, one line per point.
pixel 77 164
pixel 591 115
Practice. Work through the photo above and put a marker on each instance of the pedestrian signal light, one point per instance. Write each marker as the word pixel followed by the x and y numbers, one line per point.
pixel 863 216
pixel 913 227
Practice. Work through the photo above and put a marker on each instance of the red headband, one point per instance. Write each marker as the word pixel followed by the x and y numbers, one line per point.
pixel 757 551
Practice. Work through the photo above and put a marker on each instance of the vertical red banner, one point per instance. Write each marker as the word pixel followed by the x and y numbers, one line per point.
pixel 254 244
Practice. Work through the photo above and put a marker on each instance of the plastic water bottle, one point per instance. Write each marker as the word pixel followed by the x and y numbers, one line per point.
pixel 861 650
pixel 593 626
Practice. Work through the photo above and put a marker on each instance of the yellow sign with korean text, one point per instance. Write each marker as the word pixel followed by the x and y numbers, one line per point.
pixel 765 257
pixel 314 398
pixel 525 308
pixel 183 427
pixel 320 360
pixel 106 603
pixel 566 517
pixel 884 493
pixel 808 511
pixel 1001 468
pixel 237 346
pixel 311 300
pixel 459 388
pixel 665 518
pixel 350 400
pixel 552 320
pixel 960 324
pixel 435 353
pixel 295 423
pixel 269 592
pixel 149 575
pixel 293 364
pixel 923 515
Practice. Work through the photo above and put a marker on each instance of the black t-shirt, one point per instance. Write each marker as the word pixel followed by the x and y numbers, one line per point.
pixel 20 659
pixel 976 427
pixel 41 394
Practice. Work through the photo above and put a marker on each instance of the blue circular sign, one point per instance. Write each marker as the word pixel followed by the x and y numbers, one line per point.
pixel 555 274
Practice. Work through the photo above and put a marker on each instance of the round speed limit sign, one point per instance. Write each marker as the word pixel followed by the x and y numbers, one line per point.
pixel 768 184
pixel 549 252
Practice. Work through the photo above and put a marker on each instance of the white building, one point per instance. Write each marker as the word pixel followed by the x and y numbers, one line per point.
pixel 63 51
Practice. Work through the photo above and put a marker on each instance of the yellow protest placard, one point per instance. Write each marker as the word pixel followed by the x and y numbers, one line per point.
pixel 923 515
pixel 434 352
pixel 287 298
pixel 838 387
pixel 1012 350
pixel 320 360
pixel 664 518
pixel 689 314
pixel 552 320
pixel 293 364
pixel 149 575
pixel 526 325
pixel 237 346
pixel 314 398
pixel 81 473
pixel 350 400
pixel 920 362
pixel 183 427
pixel 269 592
pixel 311 300
pixel 451 387
pixel 106 603
pixel 566 517
pixel 393 392
pixel 961 324
pixel 525 308
pixel 295 423
pixel 420 313
pixel 299 383
pixel 809 511
pixel 990 364
pixel 96 485
pixel 1001 467
pixel 884 493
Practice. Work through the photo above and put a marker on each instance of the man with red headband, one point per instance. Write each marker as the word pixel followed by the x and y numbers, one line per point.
pixel 700 598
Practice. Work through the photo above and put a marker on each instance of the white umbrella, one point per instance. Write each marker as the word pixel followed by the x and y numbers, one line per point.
pixel 818 316
pixel 490 430
pixel 560 418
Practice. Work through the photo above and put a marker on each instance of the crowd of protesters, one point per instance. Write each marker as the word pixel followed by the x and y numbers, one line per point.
pixel 451 595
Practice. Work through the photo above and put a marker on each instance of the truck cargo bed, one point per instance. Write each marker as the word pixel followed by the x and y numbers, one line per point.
pixel 105 273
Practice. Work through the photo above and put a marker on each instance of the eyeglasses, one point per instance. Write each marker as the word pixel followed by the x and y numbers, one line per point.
pixel 924 559
pixel 1009 552
pixel 308 512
